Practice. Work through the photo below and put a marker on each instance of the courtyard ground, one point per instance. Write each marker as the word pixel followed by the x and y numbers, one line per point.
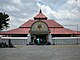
pixel 35 52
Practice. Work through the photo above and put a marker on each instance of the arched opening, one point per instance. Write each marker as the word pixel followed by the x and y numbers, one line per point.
pixel 39 33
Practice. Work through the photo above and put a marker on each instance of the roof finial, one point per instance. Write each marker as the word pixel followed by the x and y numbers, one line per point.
pixel 40 11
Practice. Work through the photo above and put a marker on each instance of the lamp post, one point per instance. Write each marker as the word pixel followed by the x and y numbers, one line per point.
pixel 77 34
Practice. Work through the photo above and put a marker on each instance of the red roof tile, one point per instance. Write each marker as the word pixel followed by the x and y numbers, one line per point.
pixel 62 31
pixel 53 31
pixel 17 31
pixel 40 15
pixel 50 23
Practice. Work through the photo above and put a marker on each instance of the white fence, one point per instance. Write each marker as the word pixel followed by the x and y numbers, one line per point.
pixel 66 40
pixel 55 40
pixel 15 40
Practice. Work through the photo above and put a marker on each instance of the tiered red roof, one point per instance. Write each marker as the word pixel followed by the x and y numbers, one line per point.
pixel 17 31
pixel 50 23
pixel 62 31
pixel 54 27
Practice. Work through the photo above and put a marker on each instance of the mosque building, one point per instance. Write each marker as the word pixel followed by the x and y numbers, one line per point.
pixel 40 28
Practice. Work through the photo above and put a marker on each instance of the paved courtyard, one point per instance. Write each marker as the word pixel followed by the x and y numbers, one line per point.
pixel 55 52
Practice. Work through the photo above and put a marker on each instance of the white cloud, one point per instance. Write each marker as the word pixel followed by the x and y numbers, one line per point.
pixel 63 11
pixel 10 8
pixel 63 16
pixel 68 11
pixel 16 22
pixel 17 1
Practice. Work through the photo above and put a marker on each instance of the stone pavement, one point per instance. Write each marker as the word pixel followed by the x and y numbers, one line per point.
pixel 34 52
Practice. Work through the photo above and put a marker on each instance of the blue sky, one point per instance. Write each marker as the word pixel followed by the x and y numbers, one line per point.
pixel 66 12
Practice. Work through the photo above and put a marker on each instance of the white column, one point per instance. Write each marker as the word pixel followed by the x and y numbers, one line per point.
pixel 0 38
pixel 29 39
pixel 50 38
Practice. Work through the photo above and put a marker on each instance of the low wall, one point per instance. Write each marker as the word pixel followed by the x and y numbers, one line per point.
pixel 66 40
pixel 55 40
pixel 15 40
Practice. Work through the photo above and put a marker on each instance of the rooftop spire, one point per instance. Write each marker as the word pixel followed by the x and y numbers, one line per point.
pixel 40 16
pixel 40 11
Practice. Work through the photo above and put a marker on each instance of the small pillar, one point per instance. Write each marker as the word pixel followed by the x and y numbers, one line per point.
pixel 29 39
pixel 50 39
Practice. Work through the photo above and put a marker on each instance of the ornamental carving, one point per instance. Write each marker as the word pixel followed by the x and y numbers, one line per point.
pixel 39 27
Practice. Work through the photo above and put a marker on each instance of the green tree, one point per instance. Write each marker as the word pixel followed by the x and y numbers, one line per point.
pixel 4 18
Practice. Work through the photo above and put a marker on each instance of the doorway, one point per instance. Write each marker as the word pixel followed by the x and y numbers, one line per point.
pixel 40 39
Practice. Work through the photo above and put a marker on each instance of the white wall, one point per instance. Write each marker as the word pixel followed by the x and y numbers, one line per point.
pixel 15 40
pixel 55 40
pixel 66 40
